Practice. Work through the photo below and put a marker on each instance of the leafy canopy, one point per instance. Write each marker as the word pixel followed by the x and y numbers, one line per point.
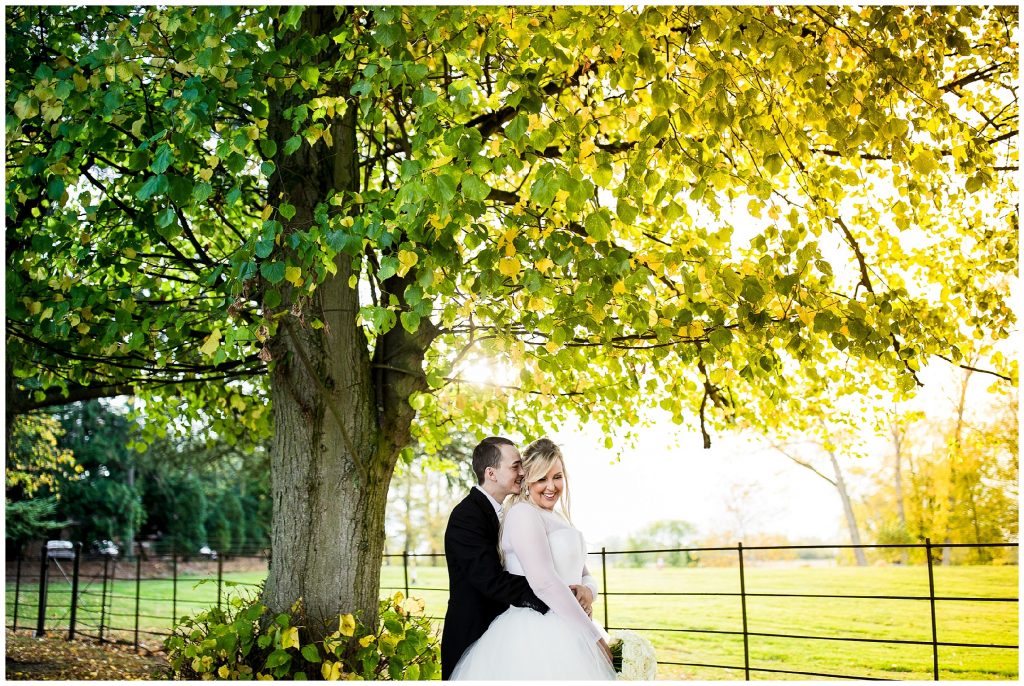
pixel 689 205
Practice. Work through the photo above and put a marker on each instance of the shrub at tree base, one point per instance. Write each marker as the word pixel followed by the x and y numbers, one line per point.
pixel 230 644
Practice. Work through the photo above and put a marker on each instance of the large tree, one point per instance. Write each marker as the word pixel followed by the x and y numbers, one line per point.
pixel 327 211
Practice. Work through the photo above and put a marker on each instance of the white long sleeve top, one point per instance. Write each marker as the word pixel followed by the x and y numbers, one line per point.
pixel 542 546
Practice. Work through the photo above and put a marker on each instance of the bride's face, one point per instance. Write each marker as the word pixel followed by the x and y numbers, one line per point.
pixel 546 491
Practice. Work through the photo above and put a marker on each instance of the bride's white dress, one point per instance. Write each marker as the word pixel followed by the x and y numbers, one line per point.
pixel 523 644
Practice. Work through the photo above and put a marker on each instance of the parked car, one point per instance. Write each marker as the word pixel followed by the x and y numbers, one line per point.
pixel 208 552
pixel 104 548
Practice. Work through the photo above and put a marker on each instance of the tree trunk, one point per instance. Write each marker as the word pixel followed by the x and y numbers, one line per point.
pixel 340 416
pixel 851 519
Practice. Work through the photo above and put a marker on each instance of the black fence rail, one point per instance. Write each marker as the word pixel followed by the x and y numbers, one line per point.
pixel 742 594
pixel 110 599
pixel 107 599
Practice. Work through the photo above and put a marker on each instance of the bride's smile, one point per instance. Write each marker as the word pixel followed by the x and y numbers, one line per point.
pixel 546 490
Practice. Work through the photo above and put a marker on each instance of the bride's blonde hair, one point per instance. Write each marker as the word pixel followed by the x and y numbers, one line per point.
pixel 538 457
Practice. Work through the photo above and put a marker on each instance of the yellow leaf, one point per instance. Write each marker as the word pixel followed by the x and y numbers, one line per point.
pixel 509 266
pixel 35 307
pixel 211 343
pixel 206 174
pixel 413 606
pixel 223 672
pixel 293 274
pixel 137 126
pixel 551 347
pixel 406 260
pixel 619 288
pixel 264 677
pixel 331 671
pixel 267 211
pixel 367 640
pixel 290 638
pixel 347 625
pixel 544 265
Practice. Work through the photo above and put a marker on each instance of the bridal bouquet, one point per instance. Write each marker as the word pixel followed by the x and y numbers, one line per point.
pixel 632 656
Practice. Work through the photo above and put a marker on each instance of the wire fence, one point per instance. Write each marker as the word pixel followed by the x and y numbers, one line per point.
pixel 110 599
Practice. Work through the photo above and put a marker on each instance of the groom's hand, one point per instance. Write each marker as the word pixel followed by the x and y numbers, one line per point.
pixel 585 597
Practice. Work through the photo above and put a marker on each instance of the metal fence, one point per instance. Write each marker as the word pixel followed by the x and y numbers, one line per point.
pixel 97 600
pixel 742 594
pixel 110 599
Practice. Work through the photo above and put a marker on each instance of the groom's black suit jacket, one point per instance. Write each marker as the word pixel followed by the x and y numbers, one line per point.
pixel 479 589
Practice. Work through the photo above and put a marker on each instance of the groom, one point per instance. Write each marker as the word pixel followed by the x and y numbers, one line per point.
pixel 479 588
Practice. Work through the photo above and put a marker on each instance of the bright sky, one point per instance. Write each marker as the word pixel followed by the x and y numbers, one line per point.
pixel 670 476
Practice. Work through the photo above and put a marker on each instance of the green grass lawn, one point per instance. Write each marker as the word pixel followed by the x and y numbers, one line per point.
pixel 675 623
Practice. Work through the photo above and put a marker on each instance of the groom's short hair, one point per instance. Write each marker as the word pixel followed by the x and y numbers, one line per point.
pixel 486 454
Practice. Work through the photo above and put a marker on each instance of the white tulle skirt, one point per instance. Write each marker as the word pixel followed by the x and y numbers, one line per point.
pixel 524 645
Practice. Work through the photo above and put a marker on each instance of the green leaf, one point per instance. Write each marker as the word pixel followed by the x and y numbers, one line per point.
pixel 55 188
pixel 597 225
pixel 474 188
pixel 410 321
pixel 292 144
pixel 287 211
pixel 446 187
pixel 773 163
pixel 517 127
pixel 273 271
pixel 627 213
pixel 152 186
pixel 201 192
pixel 268 168
pixel 720 338
pixel 162 159
pixel 166 217
pixel 825 322
pixel 292 16
pixel 277 658
pixel 309 74
pixel 310 653
pixel 388 267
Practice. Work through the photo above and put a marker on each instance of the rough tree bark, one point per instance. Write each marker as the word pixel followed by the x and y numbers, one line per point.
pixel 340 416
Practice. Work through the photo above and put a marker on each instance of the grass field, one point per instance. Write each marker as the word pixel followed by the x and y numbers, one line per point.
pixel 675 623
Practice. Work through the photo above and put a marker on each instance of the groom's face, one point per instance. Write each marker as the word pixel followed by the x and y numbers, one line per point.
pixel 509 472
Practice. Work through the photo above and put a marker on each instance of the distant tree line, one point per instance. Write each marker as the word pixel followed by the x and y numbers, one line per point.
pixel 85 472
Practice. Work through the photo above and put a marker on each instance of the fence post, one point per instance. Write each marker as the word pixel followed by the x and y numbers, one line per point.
pixel 220 577
pixel 138 589
pixel 604 584
pixel 103 595
pixel 405 569
pixel 44 569
pixel 743 606
pixel 74 591
pixel 17 590
pixel 931 600
pixel 174 584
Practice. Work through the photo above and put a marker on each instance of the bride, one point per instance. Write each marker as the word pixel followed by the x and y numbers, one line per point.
pixel 541 544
